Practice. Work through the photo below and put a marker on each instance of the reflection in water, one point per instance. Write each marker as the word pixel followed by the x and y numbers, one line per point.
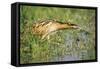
pixel 67 58
pixel 77 47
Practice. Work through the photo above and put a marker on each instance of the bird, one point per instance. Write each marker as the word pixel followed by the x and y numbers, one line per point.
pixel 46 27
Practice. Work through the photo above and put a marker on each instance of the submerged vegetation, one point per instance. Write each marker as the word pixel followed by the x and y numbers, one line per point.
pixel 64 45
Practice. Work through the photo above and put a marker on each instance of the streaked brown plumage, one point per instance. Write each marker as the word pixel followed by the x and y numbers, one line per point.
pixel 44 28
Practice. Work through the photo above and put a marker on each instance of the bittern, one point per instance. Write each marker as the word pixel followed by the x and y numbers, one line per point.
pixel 45 28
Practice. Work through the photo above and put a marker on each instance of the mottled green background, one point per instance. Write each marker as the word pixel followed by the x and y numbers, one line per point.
pixel 64 45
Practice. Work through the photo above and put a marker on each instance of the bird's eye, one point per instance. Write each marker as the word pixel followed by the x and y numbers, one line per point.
pixel 73 24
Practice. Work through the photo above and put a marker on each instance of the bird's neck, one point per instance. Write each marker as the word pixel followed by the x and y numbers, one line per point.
pixel 63 26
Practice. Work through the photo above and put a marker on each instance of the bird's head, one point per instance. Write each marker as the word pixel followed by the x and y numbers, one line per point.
pixel 73 26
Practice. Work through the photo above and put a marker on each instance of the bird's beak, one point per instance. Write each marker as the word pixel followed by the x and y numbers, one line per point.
pixel 76 27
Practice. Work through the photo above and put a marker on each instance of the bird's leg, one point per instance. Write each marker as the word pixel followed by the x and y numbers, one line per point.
pixel 45 35
pixel 48 37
